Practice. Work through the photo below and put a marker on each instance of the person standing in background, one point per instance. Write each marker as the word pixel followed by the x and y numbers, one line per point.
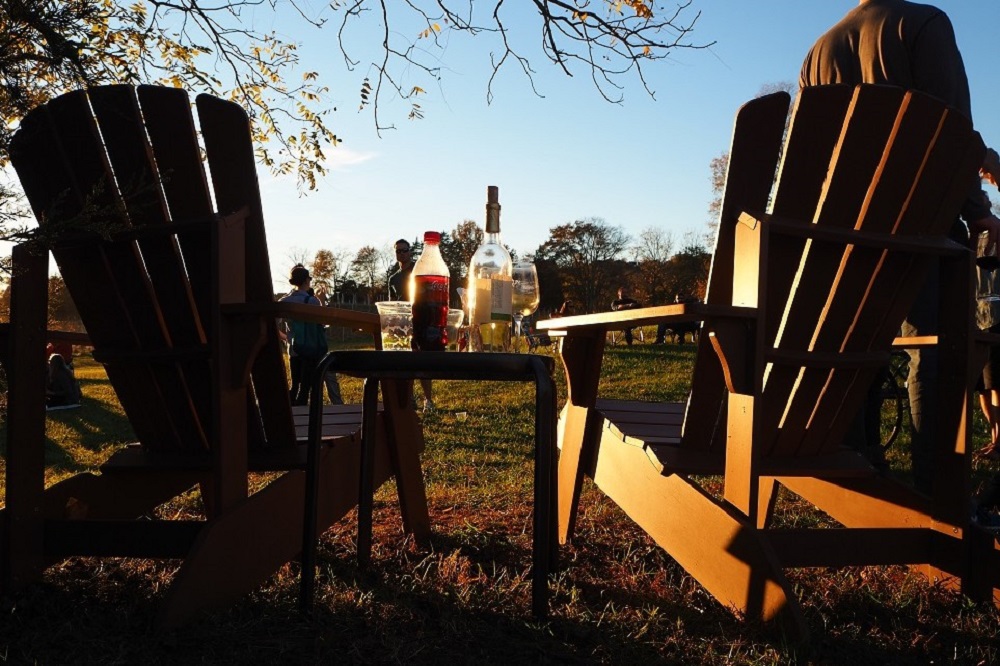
pixel 330 377
pixel 307 344
pixel 988 319
pixel 624 302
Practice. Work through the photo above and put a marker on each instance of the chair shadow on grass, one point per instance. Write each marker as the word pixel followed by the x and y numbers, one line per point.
pixel 96 426
pixel 430 622
pixel 398 611
pixel 496 554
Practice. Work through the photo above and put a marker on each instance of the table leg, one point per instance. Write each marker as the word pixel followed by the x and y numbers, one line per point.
pixel 309 509
pixel 366 490
pixel 542 528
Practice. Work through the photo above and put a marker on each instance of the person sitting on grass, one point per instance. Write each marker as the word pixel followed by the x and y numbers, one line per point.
pixel 62 391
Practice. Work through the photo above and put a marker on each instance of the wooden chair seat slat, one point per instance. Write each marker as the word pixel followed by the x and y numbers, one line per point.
pixel 639 431
pixel 651 418
pixel 624 406
pixel 674 460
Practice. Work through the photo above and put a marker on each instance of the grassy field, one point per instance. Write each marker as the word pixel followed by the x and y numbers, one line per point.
pixel 616 599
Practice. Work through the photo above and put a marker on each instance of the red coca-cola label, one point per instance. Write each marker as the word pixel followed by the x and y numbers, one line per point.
pixel 430 312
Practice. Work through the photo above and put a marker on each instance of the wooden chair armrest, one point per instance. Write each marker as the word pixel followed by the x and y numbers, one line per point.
pixel 986 338
pixel 317 314
pixel 72 337
pixel 609 321
pixel 915 342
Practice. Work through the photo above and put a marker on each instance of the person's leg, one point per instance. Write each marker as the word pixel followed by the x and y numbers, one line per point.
pixel 922 382
pixel 628 336
pixel 995 418
pixel 661 334
pixel 989 403
pixel 425 384
pixel 295 368
pixel 990 497
pixel 985 407
pixel 333 388
pixel 307 378
pixel 871 417
pixel 989 400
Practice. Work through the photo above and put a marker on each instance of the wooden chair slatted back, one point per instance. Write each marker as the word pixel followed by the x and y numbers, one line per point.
pixel 60 159
pixel 928 208
pixel 226 133
pixel 891 170
pixel 131 157
pixel 139 181
pixel 173 136
pixel 753 159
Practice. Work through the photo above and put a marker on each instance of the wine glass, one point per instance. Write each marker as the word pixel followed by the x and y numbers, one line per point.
pixel 525 292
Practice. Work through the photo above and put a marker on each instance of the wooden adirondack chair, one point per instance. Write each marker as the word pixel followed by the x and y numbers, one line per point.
pixel 802 308
pixel 176 297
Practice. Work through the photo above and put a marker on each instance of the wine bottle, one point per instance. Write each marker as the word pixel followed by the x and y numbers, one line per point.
pixel 490 291
pixel 430 297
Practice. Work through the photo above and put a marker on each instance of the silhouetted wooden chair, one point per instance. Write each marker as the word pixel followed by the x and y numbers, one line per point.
pixel 802 308
pixel 175 293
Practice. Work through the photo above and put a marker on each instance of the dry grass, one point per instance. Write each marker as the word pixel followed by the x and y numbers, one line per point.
pixel 617 598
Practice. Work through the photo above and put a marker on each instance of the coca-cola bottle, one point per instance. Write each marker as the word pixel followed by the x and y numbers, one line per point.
pixel 430 297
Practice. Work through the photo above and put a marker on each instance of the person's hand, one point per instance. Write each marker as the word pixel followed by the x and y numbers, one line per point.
pixel 991 225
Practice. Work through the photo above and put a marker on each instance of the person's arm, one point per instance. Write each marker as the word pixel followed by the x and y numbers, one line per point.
pixel 988 222
pixel 937 64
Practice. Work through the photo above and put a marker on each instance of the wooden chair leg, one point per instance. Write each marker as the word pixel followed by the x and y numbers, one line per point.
pixel 366 487
pixel 120 495
pixel 982 580
pixel 404 436
pixel 767 496
pixel 713 543
pixel 576 427
pixel 22 555
pixel 238 551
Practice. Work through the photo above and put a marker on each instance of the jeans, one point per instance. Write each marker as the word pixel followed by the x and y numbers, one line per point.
pixel 307 375
pixel 922 384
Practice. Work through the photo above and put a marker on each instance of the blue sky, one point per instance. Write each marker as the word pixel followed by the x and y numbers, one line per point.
pixel 569 155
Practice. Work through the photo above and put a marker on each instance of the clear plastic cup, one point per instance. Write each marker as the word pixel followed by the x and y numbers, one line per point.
pixel 455 318
pixel 396 318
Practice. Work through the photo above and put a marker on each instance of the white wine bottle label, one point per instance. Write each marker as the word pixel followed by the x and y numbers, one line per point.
pixel 501 300
pixel 484 301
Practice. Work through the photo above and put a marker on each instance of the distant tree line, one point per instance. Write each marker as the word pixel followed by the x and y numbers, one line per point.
pixel 62 313
pixel 584 262
pixel 587 261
